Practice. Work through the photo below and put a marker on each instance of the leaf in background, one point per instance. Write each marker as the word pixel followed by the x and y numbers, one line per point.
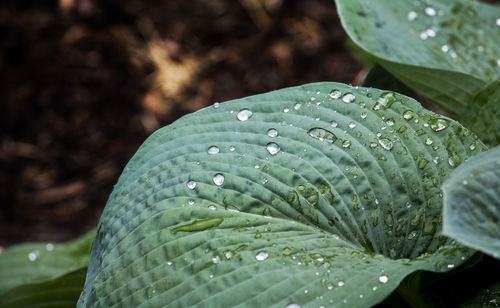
pixel 487 298
pixel 471 212
pixel 62 291
pixel 35 263
pixel 379 78
pixel 322 194
pixel 446 51
pixel 483 116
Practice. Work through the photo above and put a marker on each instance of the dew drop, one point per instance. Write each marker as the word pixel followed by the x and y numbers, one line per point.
pixel 352 125
pixel 297 106
pixel 346 144
pixel 191 184
pixel 232 148
pixel 348 98
pixel 430 11
pixel 408 115
pixel 244 114
pixel 341 283
pixel 32 256
pixel 450 266
pixel 335 94
pixel 385 143
pixel 218 179
pixel 498 22
pixel 191 202
pixel 412 15
pixel 273 148
pixel 216 259
pixel 272 132
pixel 363 115
pixel 292 306
pixel 322 134
pixel 49 247
pixel 445 48
pixel 261 256
pixel 334 124
pixel 213 150
pixel 383 278
pixel 286 110
pixel 439 124
pixel 412 235
pixel 216 105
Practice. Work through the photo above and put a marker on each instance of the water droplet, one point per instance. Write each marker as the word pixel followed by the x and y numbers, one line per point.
pixel 430 32
pixel 261 256
pixel 297 106
pixel 439 124
pixel 472 146
pixel 383 278
pixel 348 98
pixel 287 251
pixel 450 266
pixel 218 179
pixel 191 202
pixel 216 105
pixel 244 114
pixel 191 184
pixel 430 11
pixel 273 148
pixel 412 15
pixel 228 254
pixel 322 134
pixel 335 94
pixel 213 150
pixel 49 247
pixel 408 115
pixel 385 100
pixel 169 263
pixel 334 124
pixel 341 283
pixel 352 125
pixel 363 115
pixel 498 22
pixel 292 306
pixel 346 143
pixel 286 110
pixel 216 259
pixel 33 255
pixel 232 149
pixel 445 48
pixel 385 143
pixel 412 235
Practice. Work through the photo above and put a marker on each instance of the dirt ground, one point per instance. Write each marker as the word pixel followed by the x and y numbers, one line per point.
pixel 84 82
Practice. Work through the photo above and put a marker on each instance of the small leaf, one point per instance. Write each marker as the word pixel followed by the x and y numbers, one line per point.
pixel 471 210
pixel 319 195
pixel 444 50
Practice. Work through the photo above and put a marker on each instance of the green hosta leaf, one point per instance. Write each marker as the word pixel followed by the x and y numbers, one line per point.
pixel 62 291
pixel 380 78
pixel 487 298
pixel 322 194
pixel 471 210
pixel 32 263
pixel 445 50
pixel 483 116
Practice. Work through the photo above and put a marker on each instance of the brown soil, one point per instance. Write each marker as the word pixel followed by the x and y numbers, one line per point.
pixel 84 82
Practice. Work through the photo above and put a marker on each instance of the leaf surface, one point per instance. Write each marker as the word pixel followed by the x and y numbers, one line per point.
pixel 471 211
pixel 29 263
pixel 322 194
pixel 446 51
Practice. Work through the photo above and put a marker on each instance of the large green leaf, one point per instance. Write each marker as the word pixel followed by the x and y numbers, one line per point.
pixel 471 209
pixel 445 50
pixel 32 263
pixel 322 194
pixel 483 115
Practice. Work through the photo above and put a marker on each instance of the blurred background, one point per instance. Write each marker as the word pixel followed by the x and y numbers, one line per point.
pixel 84 82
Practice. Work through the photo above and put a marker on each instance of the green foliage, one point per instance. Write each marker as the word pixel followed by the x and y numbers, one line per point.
pixel 445 50
pixel 316 195
pixel 48 273
pixel 471 210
